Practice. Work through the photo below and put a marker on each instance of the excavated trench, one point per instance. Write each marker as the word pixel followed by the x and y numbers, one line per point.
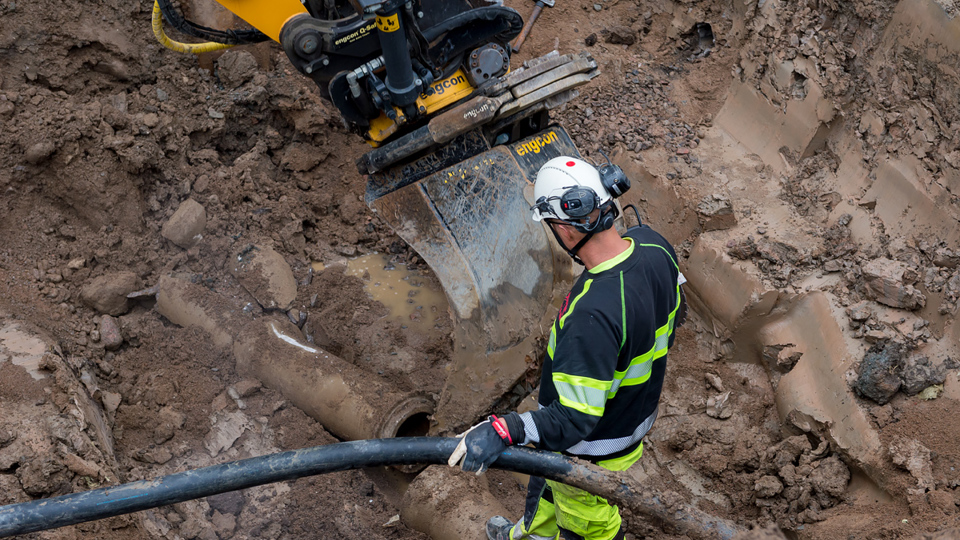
pixel 803 158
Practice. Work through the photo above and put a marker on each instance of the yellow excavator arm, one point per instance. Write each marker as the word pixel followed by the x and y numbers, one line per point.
pixel 266 16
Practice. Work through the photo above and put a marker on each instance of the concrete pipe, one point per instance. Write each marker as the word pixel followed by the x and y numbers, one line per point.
pixel 449 505
pixel 349 402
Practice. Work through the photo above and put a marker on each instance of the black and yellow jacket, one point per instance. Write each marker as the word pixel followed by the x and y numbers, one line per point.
pixel 606 358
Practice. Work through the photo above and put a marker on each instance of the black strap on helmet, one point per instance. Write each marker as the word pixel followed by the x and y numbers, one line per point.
pixel 608 213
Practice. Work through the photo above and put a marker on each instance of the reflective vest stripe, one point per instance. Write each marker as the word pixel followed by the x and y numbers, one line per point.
pixel 586 287
pixel 583 394
pixel 603 447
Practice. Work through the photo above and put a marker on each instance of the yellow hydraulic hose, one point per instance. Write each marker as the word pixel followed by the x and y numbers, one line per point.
pixel 193 48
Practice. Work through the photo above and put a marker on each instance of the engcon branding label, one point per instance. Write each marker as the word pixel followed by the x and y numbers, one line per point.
pixel 473 113
pixel 454 83
pixel 355 35
pixel 534 145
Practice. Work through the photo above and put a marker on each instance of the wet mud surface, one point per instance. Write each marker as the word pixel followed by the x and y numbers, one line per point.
pixel 809 149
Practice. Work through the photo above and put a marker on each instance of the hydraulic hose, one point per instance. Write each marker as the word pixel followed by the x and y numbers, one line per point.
pixel 192 48
pixel 112 501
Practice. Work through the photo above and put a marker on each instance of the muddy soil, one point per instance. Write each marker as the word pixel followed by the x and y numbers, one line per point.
pixel 106 138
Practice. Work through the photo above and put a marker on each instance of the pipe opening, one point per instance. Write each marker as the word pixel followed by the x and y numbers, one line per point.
pixel 416 425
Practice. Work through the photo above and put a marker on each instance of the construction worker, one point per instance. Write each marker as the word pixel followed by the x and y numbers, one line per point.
pixel 605 360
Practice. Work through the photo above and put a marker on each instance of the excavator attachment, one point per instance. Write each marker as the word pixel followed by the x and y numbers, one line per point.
pixel 458 135
pixel 466 210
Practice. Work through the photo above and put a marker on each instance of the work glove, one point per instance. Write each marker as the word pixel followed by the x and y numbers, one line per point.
pixel 482 444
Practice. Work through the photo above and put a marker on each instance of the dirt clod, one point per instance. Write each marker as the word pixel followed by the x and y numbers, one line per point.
pixel 108 293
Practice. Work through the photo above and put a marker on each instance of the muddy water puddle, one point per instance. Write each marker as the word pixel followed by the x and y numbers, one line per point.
pixel 413 300
pixel 21 348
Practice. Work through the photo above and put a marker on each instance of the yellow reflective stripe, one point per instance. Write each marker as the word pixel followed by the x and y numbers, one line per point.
pixel 640 368
pixel 610 263
pixel 623 311
pixel 622 463
pixel 665 251
pixel 583 394
pixel 552 343
pixel 586 287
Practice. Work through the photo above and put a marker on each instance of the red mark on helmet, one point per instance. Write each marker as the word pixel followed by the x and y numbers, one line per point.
pixel 570 164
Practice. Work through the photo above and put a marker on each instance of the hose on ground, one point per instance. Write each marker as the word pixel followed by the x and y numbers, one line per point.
pixel 191 48
pixel 43 514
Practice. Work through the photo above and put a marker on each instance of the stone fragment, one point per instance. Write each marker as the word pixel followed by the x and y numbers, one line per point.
pixel 110 335
pixel 108 293
pixel 860 311
pixel 39 152
pixel 871 123
pixel 875 336
pixel 716 213
pixel 236 67
pixel 783 356
pixel 919 372
pixel 266 275
pixel 185 226
pixel 81 467
pixel 225 524
pixel 717 406
pixel 111 401
pixel 767 486
pixel 946 258
pixel 879 377
pixel 914 457
pixel 247 387
pixel 622 35
pixel 714 381
pixel 227 429
pixel 42 476
pixel 832 266
pixel 884 282
pixel 231 503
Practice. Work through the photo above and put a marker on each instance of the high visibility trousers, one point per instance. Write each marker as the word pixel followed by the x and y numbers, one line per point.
pixel 554 509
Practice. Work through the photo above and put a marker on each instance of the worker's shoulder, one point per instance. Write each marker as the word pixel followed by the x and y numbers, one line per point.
pixel 647 238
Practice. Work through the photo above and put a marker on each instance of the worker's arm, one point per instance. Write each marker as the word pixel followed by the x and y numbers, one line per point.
pixel 583 364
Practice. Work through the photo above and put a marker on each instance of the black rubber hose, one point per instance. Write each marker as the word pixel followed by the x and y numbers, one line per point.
pixel 43 514
pixel 190 28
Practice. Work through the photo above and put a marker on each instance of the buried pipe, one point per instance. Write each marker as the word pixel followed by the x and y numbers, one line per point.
pixel 349 402
pixel 447 504
pixel 112 501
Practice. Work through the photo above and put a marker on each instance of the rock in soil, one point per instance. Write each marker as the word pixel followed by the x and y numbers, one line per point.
pixel 185 226
pixel 110 336
pixel 879 377
pixel 108 293
pixel 884 282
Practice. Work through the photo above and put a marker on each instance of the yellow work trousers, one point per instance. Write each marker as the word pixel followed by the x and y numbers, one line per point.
pixel 554 509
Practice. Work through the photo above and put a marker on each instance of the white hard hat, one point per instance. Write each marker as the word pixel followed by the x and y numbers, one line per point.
pixel 562 176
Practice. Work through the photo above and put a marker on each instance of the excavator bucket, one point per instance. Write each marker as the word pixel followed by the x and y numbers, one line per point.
pixel 466 210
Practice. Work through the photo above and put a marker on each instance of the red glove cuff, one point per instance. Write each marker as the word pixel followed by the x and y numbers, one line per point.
pixel 500 425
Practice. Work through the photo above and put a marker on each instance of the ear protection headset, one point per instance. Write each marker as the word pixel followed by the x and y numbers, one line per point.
pixel 579 202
